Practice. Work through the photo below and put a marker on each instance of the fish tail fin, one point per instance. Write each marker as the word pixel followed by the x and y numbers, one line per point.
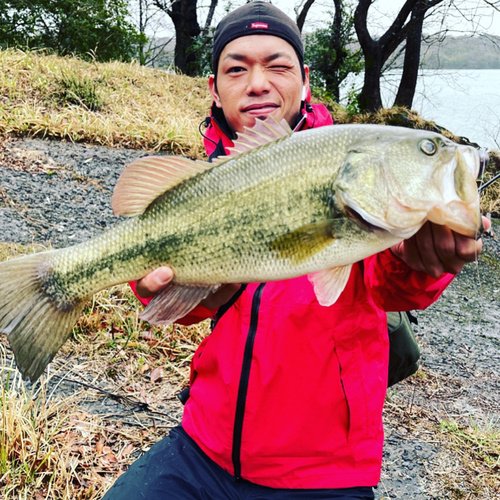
pixel 35 326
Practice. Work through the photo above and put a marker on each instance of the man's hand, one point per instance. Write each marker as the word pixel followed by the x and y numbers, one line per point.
pixel 437 249
pixel 158 279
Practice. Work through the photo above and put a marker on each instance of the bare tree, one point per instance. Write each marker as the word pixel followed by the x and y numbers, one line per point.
pixel 407 26
pixel 149 20
pixel 411 65
pixel 184 16
pixel 405 35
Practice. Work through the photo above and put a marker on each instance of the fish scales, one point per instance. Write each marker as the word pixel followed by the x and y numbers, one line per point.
pixel 183 228
pixel 296 204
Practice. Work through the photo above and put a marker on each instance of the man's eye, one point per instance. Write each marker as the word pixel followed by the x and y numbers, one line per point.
pixel 280 67
pixel 236 69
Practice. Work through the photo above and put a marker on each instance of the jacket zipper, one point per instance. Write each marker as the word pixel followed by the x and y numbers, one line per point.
pixel 245 376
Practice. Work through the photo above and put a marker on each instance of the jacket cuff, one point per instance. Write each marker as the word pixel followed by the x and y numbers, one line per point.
pixel 396 286
pixel 144 301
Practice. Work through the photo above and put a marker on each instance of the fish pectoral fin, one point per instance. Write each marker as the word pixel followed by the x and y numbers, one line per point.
pixel 174 302
pixel 147 178
pixel 329 283
pixel 301 243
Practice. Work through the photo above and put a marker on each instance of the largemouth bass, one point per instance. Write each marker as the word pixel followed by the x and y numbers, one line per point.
pixel 279 206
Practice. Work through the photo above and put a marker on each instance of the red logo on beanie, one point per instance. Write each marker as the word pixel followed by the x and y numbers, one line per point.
pixel 259 26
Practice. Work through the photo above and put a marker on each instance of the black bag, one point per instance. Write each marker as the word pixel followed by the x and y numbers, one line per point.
pixel 403 351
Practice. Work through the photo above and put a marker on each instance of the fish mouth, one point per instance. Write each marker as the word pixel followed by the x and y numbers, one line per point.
pixel 472 159
pixel 361 221
pixel 373 223
pixel 484 158
pixel 459 209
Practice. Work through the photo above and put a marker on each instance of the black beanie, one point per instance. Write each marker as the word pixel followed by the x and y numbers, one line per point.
pixel 256 18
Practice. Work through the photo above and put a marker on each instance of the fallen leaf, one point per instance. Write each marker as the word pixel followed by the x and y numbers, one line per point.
pixel 128 449
pixel 108 459
pixel 157 374
pixel 148 335
pixel 99 446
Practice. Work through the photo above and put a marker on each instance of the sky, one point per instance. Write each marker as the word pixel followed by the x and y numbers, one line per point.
pixel 382 13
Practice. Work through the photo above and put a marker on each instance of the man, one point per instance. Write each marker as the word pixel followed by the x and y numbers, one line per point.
pixel 286 395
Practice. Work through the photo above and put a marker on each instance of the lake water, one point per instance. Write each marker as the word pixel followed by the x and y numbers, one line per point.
pixel 466 102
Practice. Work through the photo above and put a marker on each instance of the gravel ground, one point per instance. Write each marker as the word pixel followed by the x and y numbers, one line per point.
pixel 59 193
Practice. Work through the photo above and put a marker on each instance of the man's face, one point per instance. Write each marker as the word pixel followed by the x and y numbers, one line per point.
pixel 258 76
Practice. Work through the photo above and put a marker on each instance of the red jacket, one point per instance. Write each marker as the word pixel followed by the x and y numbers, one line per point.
pixel 287 393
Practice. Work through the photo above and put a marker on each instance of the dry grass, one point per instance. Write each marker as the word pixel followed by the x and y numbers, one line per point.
pixel 397 116
pixel 112 339
pixel 467 464
pixel 50 448
pixel 490 197
pixel 114 104
pixel 469 460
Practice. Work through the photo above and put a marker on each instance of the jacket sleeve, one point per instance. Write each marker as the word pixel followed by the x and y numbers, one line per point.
pixel 199 313
pixel 394 286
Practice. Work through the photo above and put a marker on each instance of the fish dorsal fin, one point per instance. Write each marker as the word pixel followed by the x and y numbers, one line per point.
pixel 330 283
pixel 149 177
pixel 263 132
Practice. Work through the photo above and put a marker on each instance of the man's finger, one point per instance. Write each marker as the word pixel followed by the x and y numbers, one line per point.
pixel 153 282
pixel 468 249
pixel 445 246
pixel 426 240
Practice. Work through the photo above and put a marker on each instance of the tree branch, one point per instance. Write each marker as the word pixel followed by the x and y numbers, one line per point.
pixel 393 34
pixel 360 24
pixel 301 17
pixel 210 16
pixel 495 5
pixel 164 5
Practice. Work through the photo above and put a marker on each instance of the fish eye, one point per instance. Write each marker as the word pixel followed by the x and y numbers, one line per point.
pixel 428 147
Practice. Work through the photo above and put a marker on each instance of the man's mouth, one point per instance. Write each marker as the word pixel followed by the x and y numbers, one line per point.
pixel 260 109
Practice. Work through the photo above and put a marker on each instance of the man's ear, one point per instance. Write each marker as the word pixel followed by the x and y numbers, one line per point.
pixel 306 78
pixel 213 90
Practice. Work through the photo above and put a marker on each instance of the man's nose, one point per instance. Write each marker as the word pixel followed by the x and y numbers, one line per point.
pixel 258 83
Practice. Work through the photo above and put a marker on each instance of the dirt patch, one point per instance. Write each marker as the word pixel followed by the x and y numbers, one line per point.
pixel 58 194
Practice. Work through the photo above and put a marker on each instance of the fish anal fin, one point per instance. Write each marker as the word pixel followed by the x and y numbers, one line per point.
pixel 174 302
pixel 329 283
pixel 147 178
pixel 301 243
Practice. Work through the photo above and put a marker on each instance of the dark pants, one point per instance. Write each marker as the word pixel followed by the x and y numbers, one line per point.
pixel 176 468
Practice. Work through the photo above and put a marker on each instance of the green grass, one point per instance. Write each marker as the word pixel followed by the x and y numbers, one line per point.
pixel 480 443
pixel 477 471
